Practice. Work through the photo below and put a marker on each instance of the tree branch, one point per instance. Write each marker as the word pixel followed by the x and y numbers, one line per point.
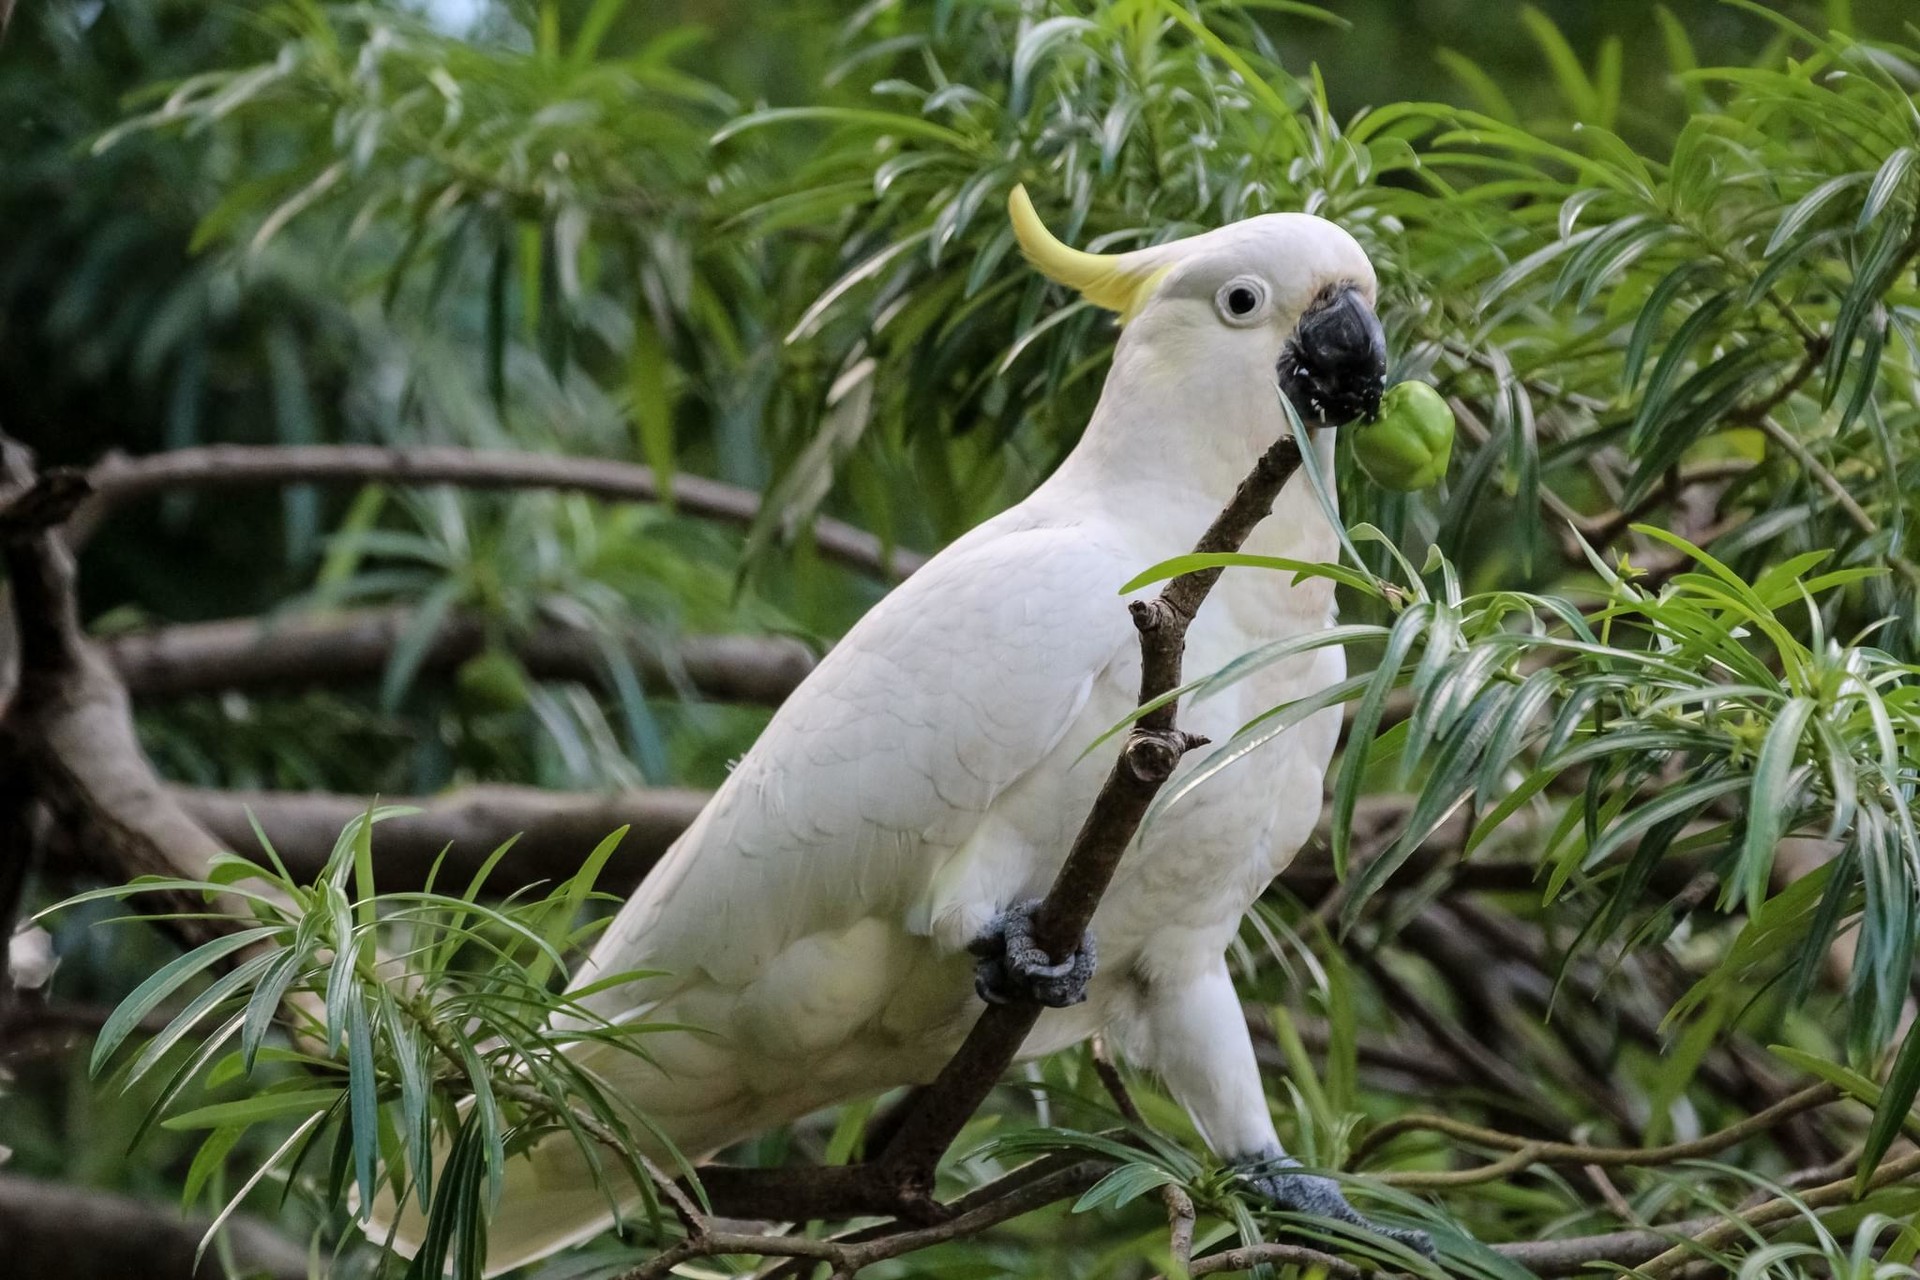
pixel 353 646
pixel 556 830
pixel 119 479
pixel 1818 1095
pixel 69 729
pixel 1784 1209
pixel 54 1230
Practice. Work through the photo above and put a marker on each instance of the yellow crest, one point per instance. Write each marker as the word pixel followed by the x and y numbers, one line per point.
pixel 1119 282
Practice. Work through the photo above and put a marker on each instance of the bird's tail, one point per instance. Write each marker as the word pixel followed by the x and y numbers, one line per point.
pixel 551 1200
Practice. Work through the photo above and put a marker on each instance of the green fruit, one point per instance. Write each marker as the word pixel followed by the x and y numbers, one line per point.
pixel 492 681
pixel 1407 446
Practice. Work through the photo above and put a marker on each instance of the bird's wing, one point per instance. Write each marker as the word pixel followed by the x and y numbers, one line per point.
pixel 945 694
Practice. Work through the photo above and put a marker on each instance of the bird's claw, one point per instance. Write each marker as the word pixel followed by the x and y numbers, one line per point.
pixel 1011 967
pixel 1279 1178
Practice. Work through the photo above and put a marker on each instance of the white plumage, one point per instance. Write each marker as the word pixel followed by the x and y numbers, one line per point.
pixel 814 919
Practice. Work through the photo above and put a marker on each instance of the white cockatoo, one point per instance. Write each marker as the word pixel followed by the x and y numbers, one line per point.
pixel 819 921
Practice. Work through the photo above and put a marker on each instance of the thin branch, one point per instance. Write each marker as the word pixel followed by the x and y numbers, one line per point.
pixel 1145 761
pixel 1475 1058
pixel 975 1213
pixel 120 479
pixel 1817 469
pixel 1179 1205
pixel 1247 1257
pixel 1818 1095
pixel 1552 1258
pixel 554 830
pixel 32 1026
pixel 357 645
pixel 1064 1174
pixel 1784 1209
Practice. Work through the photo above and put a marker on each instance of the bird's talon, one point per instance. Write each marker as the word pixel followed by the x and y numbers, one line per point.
pixel 1279 1178
pixel 1012 968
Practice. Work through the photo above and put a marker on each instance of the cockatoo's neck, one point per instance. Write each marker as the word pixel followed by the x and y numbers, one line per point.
pixel 1174 433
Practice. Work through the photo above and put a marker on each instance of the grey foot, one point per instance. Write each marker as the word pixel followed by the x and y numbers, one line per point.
pixel 1012 968
pixel 1277 1178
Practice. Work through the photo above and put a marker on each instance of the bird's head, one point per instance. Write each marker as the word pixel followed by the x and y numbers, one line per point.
pixel 1288 295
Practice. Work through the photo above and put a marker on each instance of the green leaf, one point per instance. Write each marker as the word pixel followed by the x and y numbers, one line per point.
pixel 270 1105
pixel 1407 629
pixel 568 904
pixel 881 122
pixel 197 1011
pixel 1886 185
pixel 1770 798
pixel 651 403
pixel 163 983
pixel 1195 562
pixel 1903 1085
pixel 363 1100
pixel 1122 1186
pixel 246 1189
pixel 1807 207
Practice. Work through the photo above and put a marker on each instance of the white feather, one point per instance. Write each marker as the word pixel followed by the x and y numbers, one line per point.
pixel 813 920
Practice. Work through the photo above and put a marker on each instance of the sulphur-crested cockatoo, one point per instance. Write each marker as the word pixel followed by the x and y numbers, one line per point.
pixel 820 922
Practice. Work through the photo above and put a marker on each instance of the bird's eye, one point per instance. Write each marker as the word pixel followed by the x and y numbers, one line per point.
pixel 1240 301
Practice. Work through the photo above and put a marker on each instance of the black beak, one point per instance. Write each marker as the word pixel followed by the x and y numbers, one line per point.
pixel 1335 364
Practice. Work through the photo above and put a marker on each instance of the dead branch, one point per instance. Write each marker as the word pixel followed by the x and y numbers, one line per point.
pixel 119 479
pixel 355 646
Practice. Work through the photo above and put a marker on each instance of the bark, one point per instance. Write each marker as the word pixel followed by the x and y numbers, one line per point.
pixel 68 729
pixel 120 479
pixel 52 1230
pixel 556 831
pixel 356 646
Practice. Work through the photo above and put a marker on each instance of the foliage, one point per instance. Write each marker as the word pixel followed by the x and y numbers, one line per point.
pixel 415 1075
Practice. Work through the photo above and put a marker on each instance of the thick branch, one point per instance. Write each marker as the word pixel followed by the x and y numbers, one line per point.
pixel 49 500
pixel 69 728
pixel 343 648
pixel 556 831
pixel 54 1230
pixel 120 479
